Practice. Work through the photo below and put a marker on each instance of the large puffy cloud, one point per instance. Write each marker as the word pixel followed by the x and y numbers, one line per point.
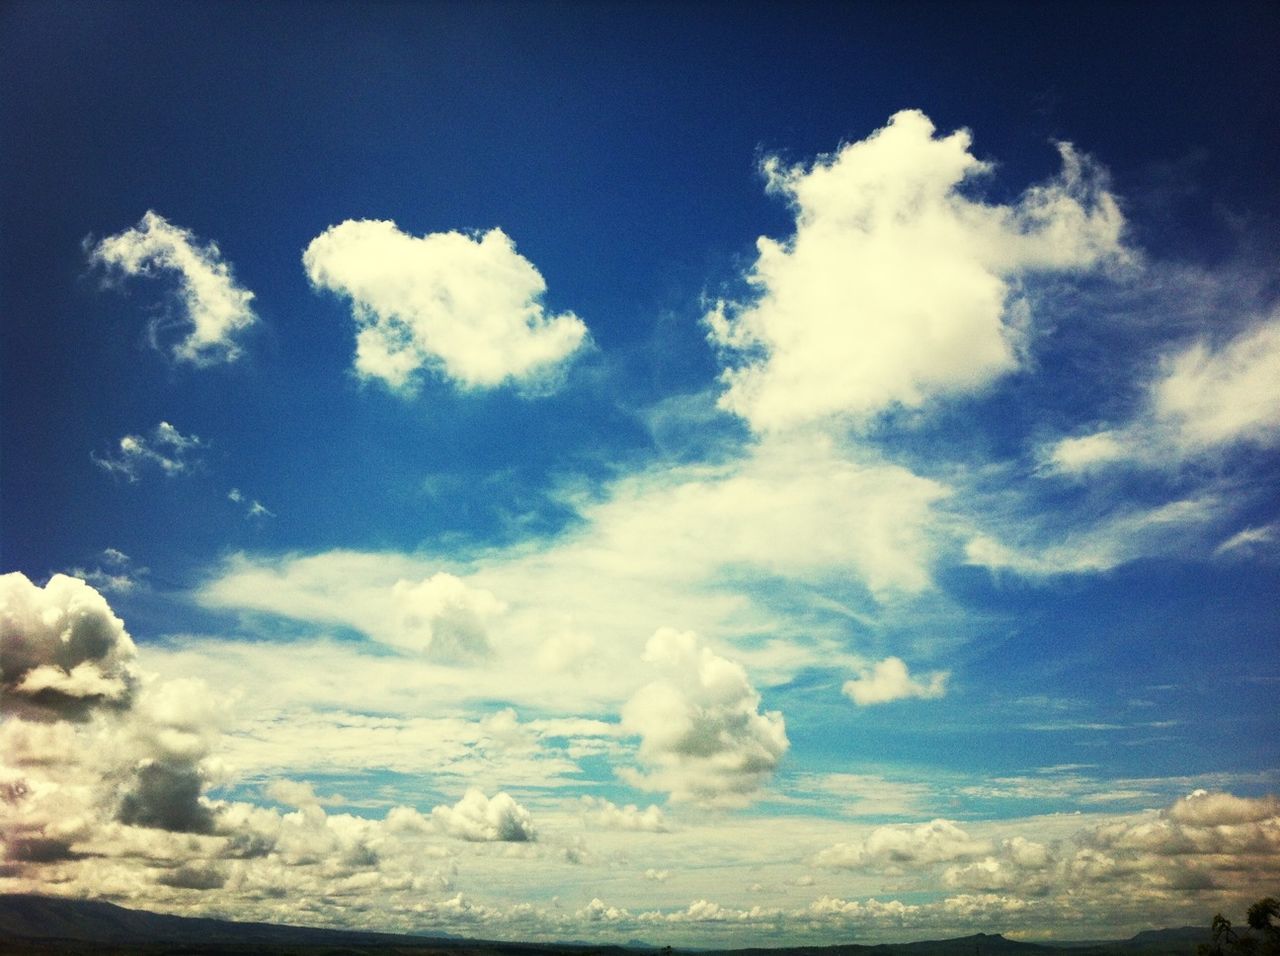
pixel 897 286
pixel 465 305
pixel 889 680
pixel 62 650
pixel 482 819
pixel 702 734
pixel 215 309
pixel 1203 399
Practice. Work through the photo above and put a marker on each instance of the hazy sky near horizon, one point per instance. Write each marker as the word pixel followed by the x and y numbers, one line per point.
pixel 703 473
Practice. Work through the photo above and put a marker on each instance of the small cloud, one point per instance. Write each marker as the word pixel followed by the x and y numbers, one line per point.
pixel 213 309
pixel 1202 400
pixel 609 816
pixel 467 307
pixel 892 847
pixel 299 793
pixel 115 573
pixel 166 449
pixel 657 876
pixel 482 819
pixel 253 507
pixel 1248 541
pixel 889 680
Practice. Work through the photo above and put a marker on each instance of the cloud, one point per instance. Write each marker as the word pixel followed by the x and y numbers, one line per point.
pixel 1203 399
pixel 1106 543
pixel 467 307
pixel 481 819
pixel 1249 540
pixel 214 309
pixel 166 449
pixel 889 680
pixel 439 616
pixel 253 507
pixel 701 731
pixel 609 816
pixel 115 573
pixel 907 845
pixel 443 617
pixel 63 653
pixel 896 286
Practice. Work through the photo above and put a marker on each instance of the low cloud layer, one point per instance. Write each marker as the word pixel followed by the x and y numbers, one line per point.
pixel 213 310
pixel 467 307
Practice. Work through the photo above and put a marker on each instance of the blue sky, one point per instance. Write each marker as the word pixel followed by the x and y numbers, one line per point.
pixel 702 473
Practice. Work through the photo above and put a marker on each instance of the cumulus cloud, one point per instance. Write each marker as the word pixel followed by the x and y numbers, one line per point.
pixel 467 307
pixel 166 449
pixel 904 845
pixel 1203 399
pixel 63 652
pixel 481 819
pixel 889 680
pixel 214 309
pixel 702 734
pixel 897 286
pixel 443 617
pixel 609 816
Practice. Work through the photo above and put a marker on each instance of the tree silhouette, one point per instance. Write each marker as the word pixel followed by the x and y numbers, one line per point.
pixel 1262 919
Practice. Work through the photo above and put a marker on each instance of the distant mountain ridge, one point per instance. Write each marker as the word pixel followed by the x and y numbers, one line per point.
pixel 31 924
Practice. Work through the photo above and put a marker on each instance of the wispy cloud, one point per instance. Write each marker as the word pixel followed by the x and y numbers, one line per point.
pixel 165 449
pixel 1205 399
pixel 214 310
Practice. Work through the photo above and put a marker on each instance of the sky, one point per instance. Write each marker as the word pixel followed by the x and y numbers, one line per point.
pixel 702 473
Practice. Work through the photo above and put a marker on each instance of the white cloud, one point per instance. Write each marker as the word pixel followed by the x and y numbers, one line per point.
pixel 166 449
pixel 443 617
pixel 466 306
pixel 609 816
pixel 214 308
pixel 1249 540
pixel 478 818
pixel 115 573
pixel 907 845
pixel 253 508
pixel 1103 544
pixel 1203 399
pixel 889 680
pixel 897 286
pixel 701 730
